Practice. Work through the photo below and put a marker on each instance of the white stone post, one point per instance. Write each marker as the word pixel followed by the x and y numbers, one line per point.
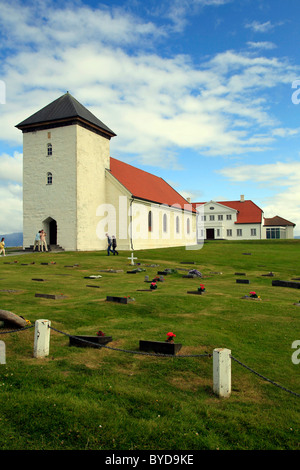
pixel 2 353
pixel 41 338
pixel 222 372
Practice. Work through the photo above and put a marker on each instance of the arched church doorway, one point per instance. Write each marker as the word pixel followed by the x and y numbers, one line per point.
pixel 53 232
pixel 50 227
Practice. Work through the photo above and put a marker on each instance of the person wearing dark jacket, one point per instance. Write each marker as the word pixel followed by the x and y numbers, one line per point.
pixel 114 245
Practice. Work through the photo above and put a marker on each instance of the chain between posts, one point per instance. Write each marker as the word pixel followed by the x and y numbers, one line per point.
pixel 265 378
pixel 157 354
pixel 17 330
pixel 129 351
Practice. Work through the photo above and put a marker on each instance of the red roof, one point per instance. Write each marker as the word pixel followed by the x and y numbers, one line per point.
pixel 144 185
pixel 248 212
pixel 279 221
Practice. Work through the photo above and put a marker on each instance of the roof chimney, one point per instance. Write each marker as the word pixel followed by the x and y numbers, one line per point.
pixel 188 200
pixel 242 198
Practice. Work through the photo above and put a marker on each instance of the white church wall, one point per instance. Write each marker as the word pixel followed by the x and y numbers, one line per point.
pixel 57 200
pixel 92 160
pixel 169 226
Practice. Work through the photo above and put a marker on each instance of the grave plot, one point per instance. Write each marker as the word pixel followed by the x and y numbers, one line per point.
pixel 167 271
pixel 146 290
pixel 160 347
pixel 111 271
pixel 270 274
pixel 240 274
pixel 294 285
pixel 196 292
pixel 119 300
pixel 90 285
pixel 199 291
pixel 11 291
pixel 137 270
pixel 242 281
pixel 86 341
pixel 39 280
pixel 51 296
pixel 93 276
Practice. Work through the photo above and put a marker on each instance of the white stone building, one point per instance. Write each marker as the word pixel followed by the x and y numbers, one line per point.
pixel 239 220
pixel 230 220
pixel 76 192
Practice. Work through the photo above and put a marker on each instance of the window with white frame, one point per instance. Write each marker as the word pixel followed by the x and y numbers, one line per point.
pixel 49 150
pixel 211 217
pixel 220 217
pixel 239 232
pixel 228 217
pixel 253 232
pixel 229 232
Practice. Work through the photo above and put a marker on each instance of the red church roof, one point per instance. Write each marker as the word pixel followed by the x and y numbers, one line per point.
pixel 146 186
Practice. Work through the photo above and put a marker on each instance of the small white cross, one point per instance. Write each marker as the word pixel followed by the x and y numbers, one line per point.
pixel 131 259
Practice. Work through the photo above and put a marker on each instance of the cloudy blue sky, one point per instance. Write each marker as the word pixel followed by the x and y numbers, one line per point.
pixel 204 93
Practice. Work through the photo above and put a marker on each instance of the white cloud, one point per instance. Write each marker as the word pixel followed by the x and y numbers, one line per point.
pixel 11 167
pixel 265 27
pixel 11 208
pixel 282 178
pixel 261 45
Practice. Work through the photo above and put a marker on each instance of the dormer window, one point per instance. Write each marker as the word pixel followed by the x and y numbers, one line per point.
pixel 49 150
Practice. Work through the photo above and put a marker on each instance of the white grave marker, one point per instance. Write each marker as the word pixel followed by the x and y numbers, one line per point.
pixel 2 353
pixel 131 259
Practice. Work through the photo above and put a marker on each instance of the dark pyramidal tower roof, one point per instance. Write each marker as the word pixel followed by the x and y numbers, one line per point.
pixel 65 110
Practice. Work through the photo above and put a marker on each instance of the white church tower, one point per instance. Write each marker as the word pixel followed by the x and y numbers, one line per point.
pixel 65 155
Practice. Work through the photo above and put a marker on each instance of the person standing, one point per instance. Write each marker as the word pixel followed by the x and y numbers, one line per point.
pixel 43 241
pixel 108 244
pixel 114 245
pixel 37 241
pixel 2 247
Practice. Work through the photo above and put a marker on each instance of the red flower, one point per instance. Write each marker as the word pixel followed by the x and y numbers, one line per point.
pixel 170 334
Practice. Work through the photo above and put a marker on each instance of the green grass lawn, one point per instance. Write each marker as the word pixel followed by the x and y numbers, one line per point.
pixel 111 399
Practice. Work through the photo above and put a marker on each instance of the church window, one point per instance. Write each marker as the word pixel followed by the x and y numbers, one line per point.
pixel 188 226
pixel 150 221
pixel 49 150
pixel 49 178
pixel 165 223
pixel 177 224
